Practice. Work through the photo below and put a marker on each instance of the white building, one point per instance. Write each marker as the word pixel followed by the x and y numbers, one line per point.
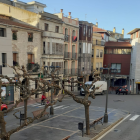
pixel 135 61
pixel 19 44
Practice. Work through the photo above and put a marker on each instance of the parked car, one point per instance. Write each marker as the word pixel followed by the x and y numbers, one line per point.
pixel 122 90
pixel 3 107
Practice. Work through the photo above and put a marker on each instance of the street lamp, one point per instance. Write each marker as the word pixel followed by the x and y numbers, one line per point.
pixel 107 78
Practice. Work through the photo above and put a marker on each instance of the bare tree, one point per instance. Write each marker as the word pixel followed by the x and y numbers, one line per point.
pixel 43 86
pixel 85 101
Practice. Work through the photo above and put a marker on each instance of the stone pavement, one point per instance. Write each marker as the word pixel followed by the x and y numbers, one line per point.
pixel 65 123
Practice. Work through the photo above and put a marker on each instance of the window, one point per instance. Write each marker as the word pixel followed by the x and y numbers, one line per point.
pixel 57 29
pixel 44 63
pixel 101 65
pixel 30 37
pixel 92 52
pixel 89 32
pixel 110 51
pixel 15 59
pixel 46 27
pixel 84 32
pixel 116 66
pixel 97 53
pixel 101 53
pixel 30 58
pixel 4 59
pixel 44 48
pixel 14 35
pixel 97 66
pixel 2 32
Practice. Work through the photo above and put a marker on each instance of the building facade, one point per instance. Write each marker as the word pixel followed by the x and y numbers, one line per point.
pixel 117 55
pixel 114 34
pixel 71 37
pixel 97 53
pixel 85 50
pixel 135 62
pixel 20 45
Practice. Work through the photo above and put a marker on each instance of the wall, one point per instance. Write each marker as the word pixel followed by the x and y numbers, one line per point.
pixel 22 46
pixel 5 47
pixel 124 59
pixel 21 14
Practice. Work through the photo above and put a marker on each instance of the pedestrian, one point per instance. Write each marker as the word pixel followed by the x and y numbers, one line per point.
pixel 43 97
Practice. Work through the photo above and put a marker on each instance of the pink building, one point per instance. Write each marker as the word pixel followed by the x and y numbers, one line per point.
pixel 71 37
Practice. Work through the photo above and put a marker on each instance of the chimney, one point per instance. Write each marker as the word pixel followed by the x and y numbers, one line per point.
pixel 123 31
pixel 97 24
pixel 61 10
pixel 69 15
pixel 114 30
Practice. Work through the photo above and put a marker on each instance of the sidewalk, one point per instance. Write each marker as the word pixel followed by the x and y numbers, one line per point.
pixel 65 123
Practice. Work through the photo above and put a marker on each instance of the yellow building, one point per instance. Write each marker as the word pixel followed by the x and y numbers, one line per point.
pixel 97 52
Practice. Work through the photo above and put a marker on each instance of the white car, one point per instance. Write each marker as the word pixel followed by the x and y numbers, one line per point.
pixel 101 90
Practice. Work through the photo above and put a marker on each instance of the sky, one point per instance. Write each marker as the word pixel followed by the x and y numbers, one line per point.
pixel 108 13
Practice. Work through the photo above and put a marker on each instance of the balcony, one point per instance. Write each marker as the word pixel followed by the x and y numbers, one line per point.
pixel 74 55
pixel 99 43
pixel 33 67
pixel 74 38
pixel 15 63
pixel 52 34
pixel 67 55
pixel 66 38
pixel 74 71
pixel 67 71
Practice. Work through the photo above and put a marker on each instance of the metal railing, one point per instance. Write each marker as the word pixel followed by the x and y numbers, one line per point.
pixel 33 67
pixel 67 55
pixel 74 55
pixel 66 38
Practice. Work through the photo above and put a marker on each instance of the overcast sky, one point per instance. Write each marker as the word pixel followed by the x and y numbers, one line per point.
pixel 108 13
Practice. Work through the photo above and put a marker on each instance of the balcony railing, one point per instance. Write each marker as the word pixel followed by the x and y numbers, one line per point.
pixel 66 38
pixel 15 63
pixel 100 43
pixel 74 55
pixel 67 71
pixel 67 55
pixel 33 67
pixel 74 38
pixel 74 71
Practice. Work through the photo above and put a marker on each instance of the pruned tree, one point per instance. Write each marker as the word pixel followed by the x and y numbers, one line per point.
pixel 43 86
pixel 84 101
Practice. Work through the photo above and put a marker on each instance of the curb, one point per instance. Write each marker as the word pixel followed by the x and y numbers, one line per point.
pixel 105 130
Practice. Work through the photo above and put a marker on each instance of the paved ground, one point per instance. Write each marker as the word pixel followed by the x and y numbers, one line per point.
pixel 65 121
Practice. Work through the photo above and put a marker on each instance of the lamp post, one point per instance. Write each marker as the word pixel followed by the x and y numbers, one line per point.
pixel 107 78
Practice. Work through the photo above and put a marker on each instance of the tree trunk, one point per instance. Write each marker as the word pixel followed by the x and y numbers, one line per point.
pixel 87 119
pixel 25 109
pixel 2 124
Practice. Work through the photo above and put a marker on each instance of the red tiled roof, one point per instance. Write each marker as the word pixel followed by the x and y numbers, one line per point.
pixel 100 30
pixel 96 29
pixel 117 44
pixel 10 22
